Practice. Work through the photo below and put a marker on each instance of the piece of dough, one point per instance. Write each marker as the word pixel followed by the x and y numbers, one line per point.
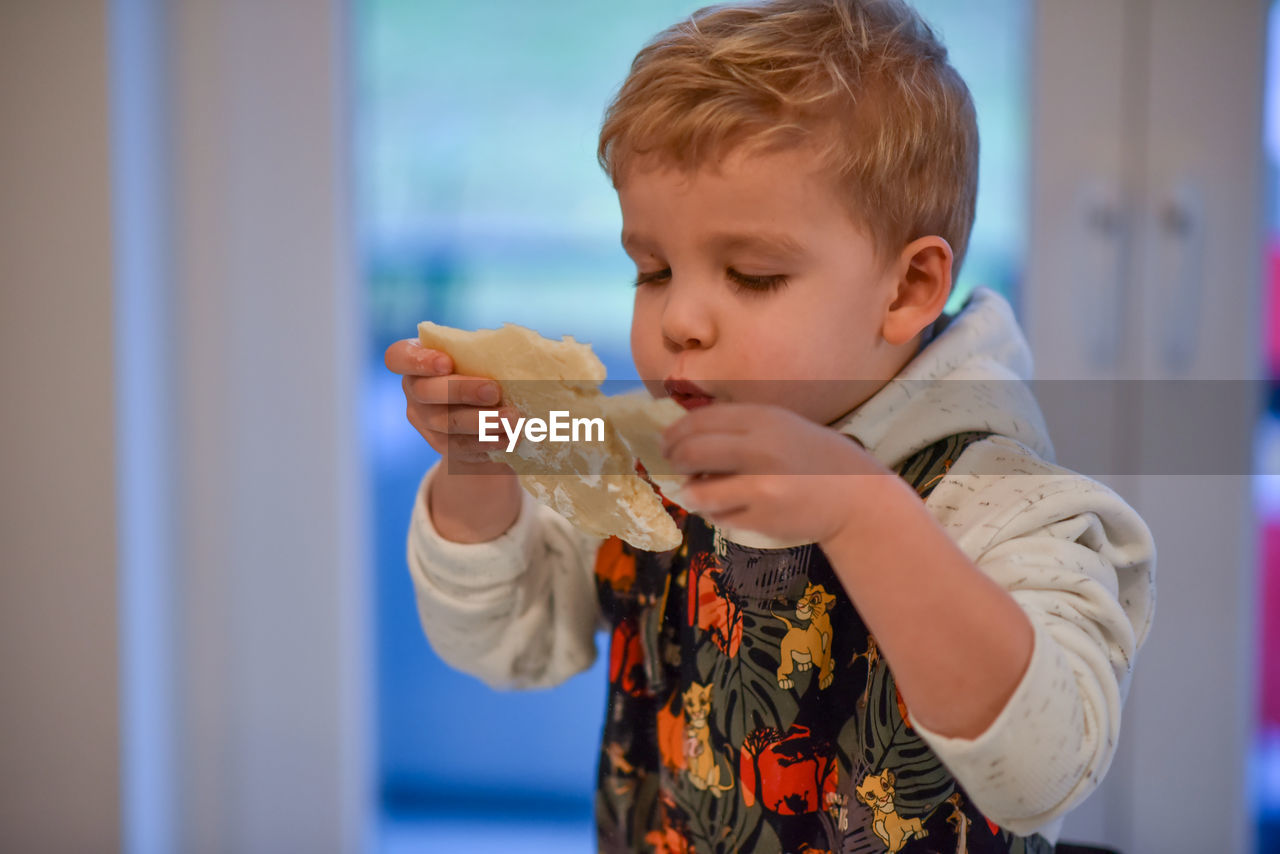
pixel 593 484
pixel 640 421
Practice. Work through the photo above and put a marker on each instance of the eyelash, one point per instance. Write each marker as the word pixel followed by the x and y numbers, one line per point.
pixel 757 284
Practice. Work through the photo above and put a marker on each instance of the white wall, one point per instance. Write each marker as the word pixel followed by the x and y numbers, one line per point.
pixel 241 643
pixel 59 787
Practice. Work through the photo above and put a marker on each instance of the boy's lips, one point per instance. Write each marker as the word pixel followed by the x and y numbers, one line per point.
pixel 686 393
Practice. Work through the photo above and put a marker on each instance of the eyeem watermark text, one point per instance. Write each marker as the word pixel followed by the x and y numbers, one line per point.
pixel 558 428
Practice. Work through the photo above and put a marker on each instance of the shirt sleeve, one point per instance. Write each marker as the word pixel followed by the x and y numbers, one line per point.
pixel 518 611
pixel 1081 564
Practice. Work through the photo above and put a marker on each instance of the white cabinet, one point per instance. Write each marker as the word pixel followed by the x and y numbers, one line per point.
pixel 1144 270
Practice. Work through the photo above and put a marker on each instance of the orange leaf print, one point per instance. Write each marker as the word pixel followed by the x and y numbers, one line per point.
pixel 616 564
pixel 711 611
pixel 626 659
pixel 671 738
pixel 673 838
pixel 668 841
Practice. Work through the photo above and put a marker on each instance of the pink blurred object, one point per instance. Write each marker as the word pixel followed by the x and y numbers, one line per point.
pixel 1269 576
pixel 1272 333
pixel 1269 627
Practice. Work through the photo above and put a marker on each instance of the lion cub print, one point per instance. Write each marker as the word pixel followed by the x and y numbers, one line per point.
pixel 876 791
pixel 802 648
pixel 700 759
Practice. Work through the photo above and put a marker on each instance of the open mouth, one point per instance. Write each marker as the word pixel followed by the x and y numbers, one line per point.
pixel 686 393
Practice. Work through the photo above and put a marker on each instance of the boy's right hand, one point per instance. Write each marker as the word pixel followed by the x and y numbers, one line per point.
pixel 445 407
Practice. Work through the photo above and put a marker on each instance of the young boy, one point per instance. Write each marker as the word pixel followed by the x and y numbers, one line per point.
pixel 828 662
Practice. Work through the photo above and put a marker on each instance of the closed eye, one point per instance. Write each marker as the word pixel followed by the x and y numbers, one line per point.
pixel 655 276
pixel 756 283
pixel 742 280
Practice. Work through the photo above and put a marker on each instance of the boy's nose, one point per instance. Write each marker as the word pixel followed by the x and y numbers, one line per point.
pixel 687 321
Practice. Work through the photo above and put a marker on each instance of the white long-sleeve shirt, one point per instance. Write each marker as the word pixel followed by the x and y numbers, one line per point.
pixel 521 610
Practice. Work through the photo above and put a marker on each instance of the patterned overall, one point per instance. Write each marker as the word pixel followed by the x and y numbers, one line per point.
pixel 749 709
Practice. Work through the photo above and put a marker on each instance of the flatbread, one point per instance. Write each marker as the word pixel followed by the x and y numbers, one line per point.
pixel 591 483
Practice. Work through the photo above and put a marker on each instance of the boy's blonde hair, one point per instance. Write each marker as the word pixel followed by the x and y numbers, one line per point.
pixel 866 82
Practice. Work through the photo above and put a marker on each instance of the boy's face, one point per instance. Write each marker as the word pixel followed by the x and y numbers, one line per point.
pixel 755 272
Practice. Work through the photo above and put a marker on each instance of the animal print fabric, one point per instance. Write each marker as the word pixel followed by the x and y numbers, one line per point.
pixel 749 709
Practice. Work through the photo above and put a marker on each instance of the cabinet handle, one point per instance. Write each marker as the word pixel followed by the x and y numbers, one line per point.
pixel 1099 258
pixel 1180 270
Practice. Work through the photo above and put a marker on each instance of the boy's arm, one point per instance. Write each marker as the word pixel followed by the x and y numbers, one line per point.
pixel 518 611
pixel 1074 560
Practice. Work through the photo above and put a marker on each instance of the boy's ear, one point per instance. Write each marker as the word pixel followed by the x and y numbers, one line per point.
pixel 923 283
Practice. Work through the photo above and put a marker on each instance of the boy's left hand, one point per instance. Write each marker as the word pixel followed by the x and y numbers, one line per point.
pixel 769 470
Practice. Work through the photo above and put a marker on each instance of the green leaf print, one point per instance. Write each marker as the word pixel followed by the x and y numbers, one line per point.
pixel 922 780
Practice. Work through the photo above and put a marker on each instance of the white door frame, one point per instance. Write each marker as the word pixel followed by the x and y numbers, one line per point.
pixel 255 316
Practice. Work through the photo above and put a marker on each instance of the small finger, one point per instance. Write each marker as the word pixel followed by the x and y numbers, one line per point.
pixel 407 356
pixel 468 391
pixel 711 453
pixel 453 389
pixel 466 421
pixel 713 418
pixel 716 495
